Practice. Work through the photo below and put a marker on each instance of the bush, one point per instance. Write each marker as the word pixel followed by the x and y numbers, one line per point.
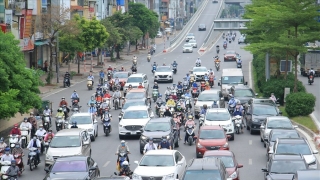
pixel 300 104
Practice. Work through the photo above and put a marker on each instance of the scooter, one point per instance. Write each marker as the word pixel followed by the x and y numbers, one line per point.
pixel 174 69
pixel 217 64
pixel 231 109
pixel 185 86
pixel 109 75
pixel 46 145
pixel 89 84
pixel 179 93
pixel 149 57
pixel 195 92
pixel 116 103
pixel 66 82
pixel 135 61
pixel 59 123
pixel 202 85
pixel 310 81
pixel 171 109
pixel 32 158
pixel 19 162
pixel 155 93
pixel 24 136
pixel 238 123
pixel 154 68
pixel 65 111
pixel 201 119
pixel 47 124
pixel 5 165
pixel 198 64
pixel 225 46
pixel 190 134
pixel 13 139
pixel 75 108
pixel 162 110
pixel 122 156
pixel 107 126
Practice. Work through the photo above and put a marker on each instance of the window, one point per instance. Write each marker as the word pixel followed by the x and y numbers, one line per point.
pixel 177 157
pixel 232 80
pixel 69 166
pixel 157 160
pixel 81 119
pixel 65 141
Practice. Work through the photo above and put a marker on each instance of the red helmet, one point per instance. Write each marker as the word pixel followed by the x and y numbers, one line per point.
pixel 16 125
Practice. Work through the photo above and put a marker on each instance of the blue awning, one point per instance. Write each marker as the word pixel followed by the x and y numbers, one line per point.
pixel 40 43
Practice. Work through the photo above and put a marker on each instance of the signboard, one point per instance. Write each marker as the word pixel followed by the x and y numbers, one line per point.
pixel 8 17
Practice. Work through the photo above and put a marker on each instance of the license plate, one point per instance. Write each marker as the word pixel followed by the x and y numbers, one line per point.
pixel 133 132
pixel 59 124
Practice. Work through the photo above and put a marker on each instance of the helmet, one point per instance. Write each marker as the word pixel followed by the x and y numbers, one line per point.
pixel 1 140
pixel 190 117
pixel 63 98
pixel 187 74
pixel 16 125
pixel 160 95
pixel 74 90
pixel 150 139
pixel 122 141
pixel 125 163
pixel 182 96
pixel 205 106
pixel 25 119
pixel 13 162
pixel 60 109
pixel 7 149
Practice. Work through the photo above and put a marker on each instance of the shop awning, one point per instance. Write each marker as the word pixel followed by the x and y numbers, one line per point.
pixel 78 8
pixel 40 43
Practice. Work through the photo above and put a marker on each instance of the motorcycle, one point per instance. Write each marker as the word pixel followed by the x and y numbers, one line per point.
pixel 154 68
pixel 66 82
pixel 171 109
pixel 107 125
pixel 98 104
pixel 122 156
pixel 162 110
pixel 239 65
pixel 211 81
pixel 157 106
pixel 201 119
pixel 231 109
pixel 24 136
pixel 65 111
pixel 218 49
pixel 190 134
pixel 179 93
pixel 109 75
pixel 149 57
pixel 194 92
pixel 13 139
pixel 198 64
pixel 155 93
pixel 59 123
pixel 46 145
pixel 217 64
pixel 225 46
pixel 46 120
pixel 135 61
pixel 237 123
pixel 203 86
pixel 233 38
pixel 75 108
pixel 32 158
pixel 41 139
pixel 5 165
pixel 89 83
pixel 174 69
pixel 116 103
pixel 188 104
pixel 185 86
pixel 310 81
pixel 19 162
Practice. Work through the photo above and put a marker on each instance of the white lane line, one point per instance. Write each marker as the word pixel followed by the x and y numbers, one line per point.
pixel 106 164
pixel 250 75
pixel 250 142
pixel 250 161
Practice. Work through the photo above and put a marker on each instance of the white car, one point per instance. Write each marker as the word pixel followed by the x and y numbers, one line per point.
pixel 133 120
pixel 85 121
pixel 160 164
pixel 199 72
pixel 220 117
pixel 187 48
pixel 193 43
pixel 159 34
pixel 163 73
pixel 242 39
pixel 206 97
pixel 168 30
pixel 274 122
pixel 189 37
pixel 135 79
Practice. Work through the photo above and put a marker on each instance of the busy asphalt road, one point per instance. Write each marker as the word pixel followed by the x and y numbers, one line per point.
pixel 247 148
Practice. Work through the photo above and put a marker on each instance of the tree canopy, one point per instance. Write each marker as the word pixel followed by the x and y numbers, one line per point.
pixel 19 85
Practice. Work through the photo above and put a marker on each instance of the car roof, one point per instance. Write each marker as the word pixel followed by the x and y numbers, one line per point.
pixel 135 100
pixel 217 110
pixel 213 127
pixel 137 108
pixel 137 75
pixel 204 164
pixel 69 132
pixel 261 101
pixel 71 158
pixel 284 118
pixel 308 174
pixel 81 114
pixel 160 119
pixel 213 91
pixel 137 90
pixel 241 86
pixel 287 157
pixel 283 130
pixel 233 70
pixel 290 140
pixel 218 153
pixel 264 104
pixel 161 152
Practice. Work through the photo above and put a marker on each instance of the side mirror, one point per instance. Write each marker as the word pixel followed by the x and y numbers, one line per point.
pixel 239 166
pixel 256 94
pixel 246 83
pixel 264 170
pixel 92 168
pixel 141 130
pixel 315 152
pixel 280 112
pixel 136 162
pixel 46 169
pixel 295 126
pixel 219 84
pixel 261 127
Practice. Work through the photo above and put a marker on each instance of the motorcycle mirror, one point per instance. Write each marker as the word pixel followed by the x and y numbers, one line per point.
pixel 115 173
pixel 46 169
pixel 80 106
pixel 246 83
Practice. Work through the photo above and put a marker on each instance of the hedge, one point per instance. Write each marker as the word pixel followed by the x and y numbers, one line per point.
pixel 300 104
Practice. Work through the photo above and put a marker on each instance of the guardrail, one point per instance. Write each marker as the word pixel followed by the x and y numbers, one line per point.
pixel 211 29
pixel 190 23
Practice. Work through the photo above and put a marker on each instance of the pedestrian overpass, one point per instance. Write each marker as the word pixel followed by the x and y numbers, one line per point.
pixel 237 1
pixel 228 24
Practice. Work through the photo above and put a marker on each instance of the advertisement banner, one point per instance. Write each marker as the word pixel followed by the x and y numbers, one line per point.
pixel 27 42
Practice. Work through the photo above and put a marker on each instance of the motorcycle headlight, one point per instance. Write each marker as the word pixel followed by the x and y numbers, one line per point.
pixel 226 145
pixel 143 137
pixel 199 145
pixel 233 175
pixel 169 177
pixel 168 137
pixel 49 157
pixel 136 176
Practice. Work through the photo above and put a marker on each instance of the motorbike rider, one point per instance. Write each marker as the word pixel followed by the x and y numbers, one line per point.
pixel 173 95
pixel 206 77
pixel 116 95
pixel 154 65
pixel 17 150
pixel 116 81
pixel 48 136
pixel 109 68
pixel 91 77
pixel 15 130
pixel 216 59
pixel 174 64
pixel 74 124
pixel 7 156
pixel 3 145
pixel 211 77
pixel 177 124
pixel 104 104
pixel 134 68
pixel 41 132
pixel 92 100
pixel 99 89
pixel 60 113
pixel 26 124
pixel 155 86
pixel 237 112
pixel 168 91
pixel 207 86
pixel 311 73
pixel 74 96
pixel 114 70
pixel 140 86
pixel 273 98
pixel 204 109
pixel 239 61
pixel 101 75
pixel 92 109
pixel 187 77
pixel 194 84
pixel 149 146
pixel 164 144
pixel 167 113
pixel 232 102
pixel 218 48
pixel 215 105
pixel 98 97
pixel 13 170
pixel 46 111
pixel 125 169
pixel 67 76
pixel 187 94
pixel 35 142
pixel 159 99
pixel 123 147
pixel 106 95
pixel 179 86
pixel 174 87
pixel 63 102
pixel 198 61
pixel 189 122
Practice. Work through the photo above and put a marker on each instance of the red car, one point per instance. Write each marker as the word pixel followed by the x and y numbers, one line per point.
pixel 229 161
pixel 123 77
pixel 211 138
pixel 230 56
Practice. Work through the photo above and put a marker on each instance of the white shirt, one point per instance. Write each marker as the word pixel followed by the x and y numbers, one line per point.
pixel 30 145
pixel 40 132
pixel 116 94
pixel 47 111
pixel 239 61
pixel 7 157
pixel 311 71
pixel 25 125
pixel 149 147
pixel 198 61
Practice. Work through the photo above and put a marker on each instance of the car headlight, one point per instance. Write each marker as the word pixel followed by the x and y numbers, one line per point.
pixel 169 177
pixel 49 157
pixel 255 120
pixel 199 145
pixel 228 125
pixel 168 136
pixel 136 176
pixel 226 145
pixel 233 175
pixel 143 137
pixel 120 125
pixel 90 130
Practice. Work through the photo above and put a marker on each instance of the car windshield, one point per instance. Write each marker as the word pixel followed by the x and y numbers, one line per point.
pixel 135 95
pixel 294 148
pixel 203 174
pixel 190 34
pixel 138 114
pixel 287 167
pixel 217 116
pixel 120 75
pixel 192 41
pixel 133 103
pixel 232 80
pixel 243 93
pixel 208 97
pixel 81 119
pixel 276 135
pixel 279 124
pixel 65 141
pixel 231 52
pixel 200 69
pixel 201 25
pixel 157 160
pixel 227 160
pixel 69 166
pixel 187 45
pixel 157 126
pixel 264 110
pixel 134 80
pixel 212 134
pixel 163 69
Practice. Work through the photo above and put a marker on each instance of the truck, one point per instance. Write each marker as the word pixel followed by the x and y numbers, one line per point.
pixel 309 60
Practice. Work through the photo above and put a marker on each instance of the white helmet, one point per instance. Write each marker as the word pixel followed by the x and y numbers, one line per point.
pixel 125 163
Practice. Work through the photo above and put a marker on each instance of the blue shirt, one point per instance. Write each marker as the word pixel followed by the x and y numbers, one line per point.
pixel 179 86
pixel 187 95
pixel 203 111
pixel 101 74
pixel 195 85
pixel 91 77
pixel 74 95
pixel 92 109
pixel 164 145
pixel 175 64
pixel 92 101
pixel 188 78
pixel 232 102
pixel 206 78
pixel 236 113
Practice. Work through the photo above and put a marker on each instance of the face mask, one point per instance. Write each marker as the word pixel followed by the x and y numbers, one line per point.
pixel 163 140
pixel 16 127
pixel 7 152
pixel 50 132
pixel 40 129
pixel 122 144
pixel 17 146
pixel 25 121
pixel 34 138
pixel 150 142
pixel 13 165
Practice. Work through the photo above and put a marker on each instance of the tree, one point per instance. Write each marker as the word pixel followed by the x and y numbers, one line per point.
pixel 115 36
pixel 283 26
pixel 94 34
pixel 52 22
pixel 19 85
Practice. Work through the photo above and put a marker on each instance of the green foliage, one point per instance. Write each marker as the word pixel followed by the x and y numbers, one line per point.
pixel 300 104
pixel 19 85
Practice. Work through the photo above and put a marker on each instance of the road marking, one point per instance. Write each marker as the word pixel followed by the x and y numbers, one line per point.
pixel 250 161
pixel 250 142
pixel 250 75
pixel 106 164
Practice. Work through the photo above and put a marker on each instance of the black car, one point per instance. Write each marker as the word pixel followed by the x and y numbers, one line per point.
pixel 243 93
pixel 202 27
pixel 307 175
pixel 280 133
pixel 157 128
pixel 206 168
pixel 257 113
pixel 73 167
pixel 284 166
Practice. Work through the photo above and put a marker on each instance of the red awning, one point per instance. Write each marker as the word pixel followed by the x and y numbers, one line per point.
pixel 79 8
